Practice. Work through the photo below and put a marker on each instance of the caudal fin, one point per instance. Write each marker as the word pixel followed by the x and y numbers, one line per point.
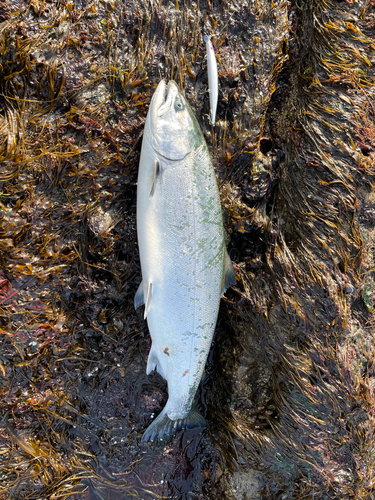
pixel 163 426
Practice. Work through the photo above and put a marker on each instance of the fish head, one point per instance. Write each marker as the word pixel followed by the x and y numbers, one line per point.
pixel 172 127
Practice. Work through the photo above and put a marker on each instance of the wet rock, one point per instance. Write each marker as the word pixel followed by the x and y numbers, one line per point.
pixel 245 486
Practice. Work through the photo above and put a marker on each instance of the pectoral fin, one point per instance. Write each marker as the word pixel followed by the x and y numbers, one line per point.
pixel 229 274
pixel 157 173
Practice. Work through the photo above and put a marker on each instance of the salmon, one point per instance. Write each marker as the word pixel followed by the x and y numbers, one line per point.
pixel 184 261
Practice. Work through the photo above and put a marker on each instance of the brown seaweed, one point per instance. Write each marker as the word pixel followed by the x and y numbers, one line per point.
pixel 289 384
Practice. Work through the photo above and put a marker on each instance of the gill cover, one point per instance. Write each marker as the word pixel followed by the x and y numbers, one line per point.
pixel 173 130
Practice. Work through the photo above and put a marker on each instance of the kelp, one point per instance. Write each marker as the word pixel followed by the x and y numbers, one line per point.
pixel 288 390
pixel 314 339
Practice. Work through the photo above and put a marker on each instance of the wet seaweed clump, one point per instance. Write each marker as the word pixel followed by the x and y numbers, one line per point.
pixel 288 390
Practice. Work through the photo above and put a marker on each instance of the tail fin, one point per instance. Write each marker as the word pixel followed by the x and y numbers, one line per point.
pixel 163 426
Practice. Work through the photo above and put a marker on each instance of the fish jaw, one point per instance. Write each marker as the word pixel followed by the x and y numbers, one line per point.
pixel 172 93
pixel 163 99
pixel 158 100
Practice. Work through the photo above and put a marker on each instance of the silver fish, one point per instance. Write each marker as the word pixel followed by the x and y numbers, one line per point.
pixel 185 265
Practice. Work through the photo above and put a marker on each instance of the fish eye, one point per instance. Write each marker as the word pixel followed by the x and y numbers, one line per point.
pixel 178 106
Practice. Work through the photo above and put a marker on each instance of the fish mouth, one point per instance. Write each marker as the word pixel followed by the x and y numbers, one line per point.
pixel 163 99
